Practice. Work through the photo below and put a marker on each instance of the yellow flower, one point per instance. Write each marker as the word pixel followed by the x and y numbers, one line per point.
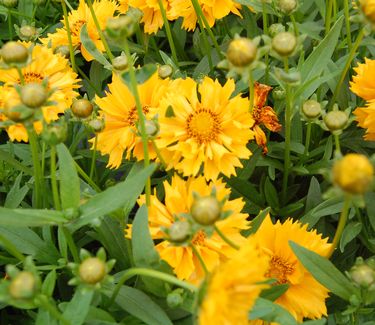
pixel 45 65
pixel 152 17
pixel 124 6
pixel 305 297
pixel 368 8
pixel 208 129
pixel 353 173
pixel 366 119
pixel 120 114
pixel 234 287
pixel 179 199
pixel 363 84
pixel 212 10
pixel 104 9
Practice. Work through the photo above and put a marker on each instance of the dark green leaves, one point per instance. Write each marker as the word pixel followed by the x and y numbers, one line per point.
pixel 270 312
pixel 142 74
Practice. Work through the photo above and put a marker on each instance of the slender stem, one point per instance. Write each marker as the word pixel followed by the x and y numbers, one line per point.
pixel 87 178
pixel 251 90
pixel 9 246
pixel 69 5
pixel 43 157
pixel 141 117
pixel 20 74
pixel 206 43
pixel 200 258
pixel 337 143
pixel 71 244
pixel 93 158
pixel 44 303
pixel 295 27
pixel 10 25
pixel 225 238
pixel 55 190
pixel 352 53
pixel 100 32
pixel 69 34
pixel 158 153
pixel 87 79
pixel 152 274
pixel 265 30
pixel 347 24
pixel 168 32
pixel 340 227
pixel 328 16
pixel 308 139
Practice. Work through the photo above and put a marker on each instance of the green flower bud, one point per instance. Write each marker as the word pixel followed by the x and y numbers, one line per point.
pixel 284 43
pixel 179 232
pixel 97 125
pixel 33 95
pixel 28 32
pixel 311 109
pixel 121 26
pixel 278 93
pixel 287 6
pixel 92 270
pixel 120 63
pixel 13 52
pixel 363 275
pixel 82 108
pixel 165 71
pixel 63 50
pixel 23 286
pixel 55 133
pixel 335 120
pixel 241 52
pixel 9 3
pixel 152 128
pixel 206 210
pixel 276 29
pixel 175 299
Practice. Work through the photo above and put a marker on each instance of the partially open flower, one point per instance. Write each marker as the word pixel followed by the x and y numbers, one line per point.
pixel 165 71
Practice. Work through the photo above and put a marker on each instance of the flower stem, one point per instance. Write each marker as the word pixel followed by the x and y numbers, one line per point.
pixel 308 139
pixel 329 9
pixel 158 153
pixel 200 258
pixel 265 30
pixel 168 32
pixel 10 25
pixel 55 192
pixel 206 43
pixel 352 53
pixel 152 274
pixel 296 31
pixel 337 144
pixel 71 244
pixel 93 158
pixel 87 178
pixel 347 25
pixel 69 34
pixel 340 227
pixel 141 117
pixel 100 32
pixel 44 302
pixel 251 90
pixel 225 238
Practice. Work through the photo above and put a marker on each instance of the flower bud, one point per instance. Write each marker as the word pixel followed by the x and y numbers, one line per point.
pixel 368 9
pixel 92 270
pixel 353 173
pixel 33 95
pixel 120 63
pixel 9 3
pixel 63 50
pixel 152 128
pixel 97 125
pixel 335 120
pixel 287 6
pixel 278 93
pixel 13 52
pixel 241 52
pixel 15 111
pixel 206 210
pixel 311 109
pixel 82 108
pixel 179 231
pixel 165 71
pixel 121 26
pixel 284 43
pixel 363 275
pixel 23 286
pixel 28 32
pixel 55 133
pixel 175 299
pixel 276 29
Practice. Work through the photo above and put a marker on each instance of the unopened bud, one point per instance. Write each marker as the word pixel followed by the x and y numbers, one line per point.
pixel 63 50
pixel 33 95
pixel 179 231
pixel 287 6
pixel 97 125
pixel 28 32
pixel 165 71
pixel 9 3
pixel 82 108
pixel 122 26
pixel 55 133
pixel 284 43
pixel 23 285
pixel 363 275
pixel 276 29
pixel 336 120
pixel 206 210
pixel 278 93
pixel 241 52
pixel 92 270
pixel 175 298
pixel 151 127
pixel 120 63
pixel 13 52
pixel 311 109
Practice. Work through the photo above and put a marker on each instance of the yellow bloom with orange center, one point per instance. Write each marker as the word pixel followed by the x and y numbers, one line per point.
pixel 212 10
pixel 305 297
pixel 234 286
pixel 61 79
pixel 104 9
pixel 178 200
pixel 363 83
pixel 263 115
pixel 119 111
pixel 207 130
pixel 123 6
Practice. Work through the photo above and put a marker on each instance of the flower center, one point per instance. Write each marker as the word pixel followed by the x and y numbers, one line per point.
pixel 280 270
pixel 199 238
pixel 30 77
pixel 76 27
pixel 203 126
pixel 132 116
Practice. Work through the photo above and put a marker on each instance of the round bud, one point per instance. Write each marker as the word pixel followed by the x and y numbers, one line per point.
pixel 175 299
pixel 363 275
pixel 152 129
pixel 287 6
pixel 284 43
pixel 55 133
pixel 276 29
pixel 63 50
pixel 23 286
pixel 353 173
pixel 13 52
pixel 97 125
pixel 28 32
pixel 33 95
pixel 121 26
pixel 165 71
pixel 278 93
pixel 241 52
pixel 368 9
pixel 206 210
pixel 92 270
pixel 311 109
pixel 335 120
pixel 10 109
pixel 120 63
pixel 9 3
pixel 82 108
pixel 179 231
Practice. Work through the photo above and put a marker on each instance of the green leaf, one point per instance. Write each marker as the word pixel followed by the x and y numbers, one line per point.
pixel 69 181
pixel 49 283
pixel 141 74
pixel 325 272
pixel 138 304
pixel 113 198
pixel 314 195
pixel 77 309
pixel 270 312
pixel 351 231
pixel 16 194
pixel 274 292
pixel 271 194
pixel 8 158
pixel 258 220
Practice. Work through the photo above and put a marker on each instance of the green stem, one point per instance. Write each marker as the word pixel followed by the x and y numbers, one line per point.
pixel 200 258
pixel 352 53
pixel 20 74
pixel 340 227
pixel 265 30
pixel 87 79
pixel 206 43
pixel 43 157
pixel 141 117
pixel 168 32
pixel 128 274
pixel 225 238
pixel 100 32
pixel 55 191
pixel 329 9
pixel 296 32
pixel 44 303
pixel 347 24
pixel 251 90
pixel 71 244
pixel 308 139
pixel 158 153
pixel 69 34
pixel 337 144
pixel 86 177
pixel 93 158
pixel 10 25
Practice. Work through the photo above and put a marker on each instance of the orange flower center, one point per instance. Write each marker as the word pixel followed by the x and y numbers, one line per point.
pixel 280 270
pixel 132 116
pixel 75 28
pixel 203 126
pixel 199 238
pixel 30 77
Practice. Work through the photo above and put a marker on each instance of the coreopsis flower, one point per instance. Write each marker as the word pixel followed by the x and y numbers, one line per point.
pixel 208 130
pixel 365 117
pixel 44 66
pixel 118 108
pixel 123 6
pixel 305 297
pixel 234 287
pixel 104 9
pixel 363 83
pixel 179 200
pixel 368 8
pixel 152 17
pixel 263 115
pixel 212 10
